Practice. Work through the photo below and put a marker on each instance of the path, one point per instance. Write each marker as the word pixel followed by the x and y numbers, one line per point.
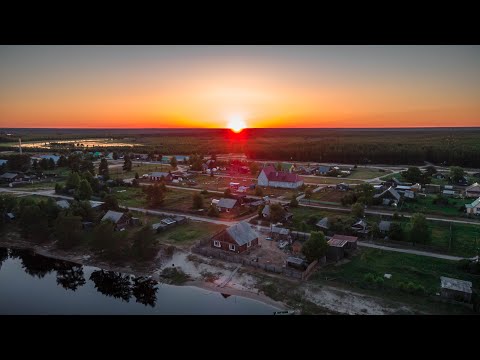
pixel 230 277
pixel 409 251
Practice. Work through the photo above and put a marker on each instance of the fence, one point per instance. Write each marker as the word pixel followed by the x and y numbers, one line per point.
pixel 241 260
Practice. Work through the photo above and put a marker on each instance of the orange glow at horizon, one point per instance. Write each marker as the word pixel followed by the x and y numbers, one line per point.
pixel 268 87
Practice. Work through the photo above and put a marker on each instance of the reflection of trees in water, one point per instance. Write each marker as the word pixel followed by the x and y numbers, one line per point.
pixel 145 291
pixel 112 283
pixel 120 286
pixel 70 277
pixel 34 265
pixel 3 255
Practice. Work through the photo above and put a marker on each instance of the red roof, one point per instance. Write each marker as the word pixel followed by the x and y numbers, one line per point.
pixel 282 176
pixel 345 237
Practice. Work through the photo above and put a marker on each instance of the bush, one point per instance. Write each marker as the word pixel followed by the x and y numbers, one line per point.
pixel 373 281
pixel 412 288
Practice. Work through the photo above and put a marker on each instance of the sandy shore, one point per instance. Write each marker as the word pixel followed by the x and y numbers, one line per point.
pixel 152 270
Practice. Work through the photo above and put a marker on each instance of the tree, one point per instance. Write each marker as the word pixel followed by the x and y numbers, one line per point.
pixel 375 230
pixel 84 191
pixel 278 166
pixel 110 202
pixel 68 231
pixel 82 209
pixel 173 162
pixel 127 164
pixel 456 173
pixel 213 211
pixel 137 176
pixel 197 201
pixel 7 204
pixel 315 247
pixel 258 191
pixel 358 210
pixel 154 194
pixel 227 193
pixel 430 170
pixel 62 161
pixel 144 245
pixel 254 168
pixel 277 213
pixel 34 223
pixel 43 164
pixel 70 277
pixel 413 174
pixel 364 193
pixel 308 193
pixel 294 201
pixel 419 230
pixel 396 232
pixel 103 169
pixel 51 164
pixel 73 181
pixel 115 155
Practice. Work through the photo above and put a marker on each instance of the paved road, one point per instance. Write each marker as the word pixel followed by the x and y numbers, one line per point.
pixel 50 193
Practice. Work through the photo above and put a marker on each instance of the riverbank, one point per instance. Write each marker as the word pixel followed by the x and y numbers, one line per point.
pixel 153 270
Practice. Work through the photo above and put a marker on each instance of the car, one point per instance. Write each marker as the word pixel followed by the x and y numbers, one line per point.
pixel 268 238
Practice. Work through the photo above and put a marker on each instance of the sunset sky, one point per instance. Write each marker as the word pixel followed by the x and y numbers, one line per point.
pixel 267 86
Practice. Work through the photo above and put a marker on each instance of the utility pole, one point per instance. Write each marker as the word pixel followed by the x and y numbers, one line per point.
pixel 450 242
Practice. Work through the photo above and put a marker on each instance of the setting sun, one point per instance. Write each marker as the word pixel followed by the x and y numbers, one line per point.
pixel 236 124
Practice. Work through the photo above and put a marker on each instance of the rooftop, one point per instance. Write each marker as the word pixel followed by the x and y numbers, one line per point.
pixel 456 284
pixel 227 203
pixel 64 204
pixel 337 242
pixel 242 233
pixel 114 216
pixel 344 237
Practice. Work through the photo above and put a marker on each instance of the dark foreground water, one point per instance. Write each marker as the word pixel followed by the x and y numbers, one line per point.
pixel 38 285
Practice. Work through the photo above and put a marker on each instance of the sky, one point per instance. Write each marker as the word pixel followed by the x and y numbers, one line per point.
pixel 265 86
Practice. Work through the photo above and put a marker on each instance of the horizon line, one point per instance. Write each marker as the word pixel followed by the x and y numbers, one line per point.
pixel 247 128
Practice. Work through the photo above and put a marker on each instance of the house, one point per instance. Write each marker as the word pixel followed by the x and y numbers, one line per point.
pixel 158 175
pixel 63 204
pixel 11 177
pixel 227 205
pixel 266 211
pixel 168 222
pixel 324 170
pixel 3 162
pixel 384 226
pixel 279 179
pixel 95 205
pixel 336 249
pixel 432 189
pixel 9 217
pixel 361 227
pixel 109 156
pixel 449 193
pixel 323 224
pixel 378 187
pixel 473 191
pixel 401 183
pixel 474 207
pixel 135 221
pixel 118 218
pixel 297 247
pixel 279 233
pixel 351 240
pixel 296 263
pixel 237 238
pixel 388 196
pixel 416 187
pixel 459 290
pixel 408 194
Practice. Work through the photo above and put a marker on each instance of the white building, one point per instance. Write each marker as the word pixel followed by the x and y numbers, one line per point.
pixel 279 179
pixel 474 207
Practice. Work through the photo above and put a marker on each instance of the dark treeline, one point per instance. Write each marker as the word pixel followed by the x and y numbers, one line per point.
pixel 448 146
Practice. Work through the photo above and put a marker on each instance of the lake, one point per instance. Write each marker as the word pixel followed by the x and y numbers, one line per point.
pixel 32 284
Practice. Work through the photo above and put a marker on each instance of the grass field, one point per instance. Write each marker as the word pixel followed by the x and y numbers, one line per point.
pixel 426 205
pixel 367 173
pixel 186 235
pixel 129 196
pixel 404 268
pixel 318 180
pixel 118 172
pixel 331 196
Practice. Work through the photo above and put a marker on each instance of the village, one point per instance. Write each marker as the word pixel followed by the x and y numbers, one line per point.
pixel 302 222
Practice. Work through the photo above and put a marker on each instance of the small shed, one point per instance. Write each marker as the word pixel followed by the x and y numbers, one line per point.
pixel 336 249
pixel 279 233
pixel 158 227
pixel 180 219
pixel 63 204
pixel 384 226
pixel 351 240
pixel 455 289
pixel 323 224
pixel 296 263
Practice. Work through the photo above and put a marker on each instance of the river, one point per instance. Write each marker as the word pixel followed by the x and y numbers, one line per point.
pixel 32 284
